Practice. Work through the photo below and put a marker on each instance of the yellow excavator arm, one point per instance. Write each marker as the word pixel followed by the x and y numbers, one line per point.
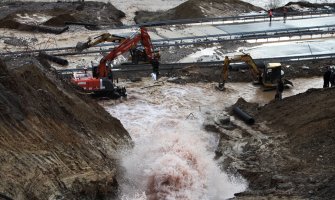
pixel 255 72
pixel 105 37
pixel 257 75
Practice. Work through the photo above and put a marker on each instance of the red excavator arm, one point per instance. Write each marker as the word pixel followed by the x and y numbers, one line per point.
pixel 126 45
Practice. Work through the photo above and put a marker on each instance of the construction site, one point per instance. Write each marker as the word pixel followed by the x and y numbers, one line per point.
pixel 180 99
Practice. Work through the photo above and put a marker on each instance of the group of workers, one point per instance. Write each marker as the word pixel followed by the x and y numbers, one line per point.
pixel 328 81
pixel 329 77
pixel 270 14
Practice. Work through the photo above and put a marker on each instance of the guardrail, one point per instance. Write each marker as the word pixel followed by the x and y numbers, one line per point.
pixel 206 39
pixel 173 66
pixel 232 19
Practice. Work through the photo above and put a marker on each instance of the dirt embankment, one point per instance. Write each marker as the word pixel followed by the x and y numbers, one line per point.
pixel 54 142
pixel 27 15
pixel 198 9
pixel 309 5
pixel 288 152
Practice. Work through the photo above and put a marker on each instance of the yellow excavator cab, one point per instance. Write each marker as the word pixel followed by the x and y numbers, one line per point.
pixel 272 73
pixel 273 65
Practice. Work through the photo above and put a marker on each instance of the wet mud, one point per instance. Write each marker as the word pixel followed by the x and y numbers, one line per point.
pixel 188 142
pixel 288 152
pixel 28 16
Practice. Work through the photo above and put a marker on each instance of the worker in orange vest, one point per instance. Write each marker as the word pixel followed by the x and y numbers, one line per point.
pixel 270 14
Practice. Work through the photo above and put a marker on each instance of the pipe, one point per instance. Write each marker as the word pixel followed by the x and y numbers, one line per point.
pixel 55 59
pixel 243 115
pixel 49 29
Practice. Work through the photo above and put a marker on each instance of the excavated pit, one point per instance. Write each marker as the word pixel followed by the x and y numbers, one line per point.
pixel 58 143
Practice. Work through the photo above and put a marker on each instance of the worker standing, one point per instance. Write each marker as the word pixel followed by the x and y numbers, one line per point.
pixel 279 89
pixel 155 67
pixel 285 13
pixel 270 14
pixel 332 77
pixel 326 77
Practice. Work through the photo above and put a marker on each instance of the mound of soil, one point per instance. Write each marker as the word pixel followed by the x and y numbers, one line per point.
pixel 308 119
pixel 9 22
pixel 306 4
pixel 198 9
pixel 59 13
pixel 309 123
pixel 60 20
pixel 297 6
pixel 292 156
pixel 54 142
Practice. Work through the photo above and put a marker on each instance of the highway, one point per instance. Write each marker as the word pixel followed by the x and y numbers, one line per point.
pixel 314 28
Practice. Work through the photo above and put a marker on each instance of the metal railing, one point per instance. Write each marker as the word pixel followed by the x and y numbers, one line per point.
pixel 172 66
pixel 232 19
pixel 206 39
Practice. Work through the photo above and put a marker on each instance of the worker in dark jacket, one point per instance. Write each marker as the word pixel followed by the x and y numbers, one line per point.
pixel 279 89
pixel 326 77
pixel 285 14
pixel 332 78
pixel 155 67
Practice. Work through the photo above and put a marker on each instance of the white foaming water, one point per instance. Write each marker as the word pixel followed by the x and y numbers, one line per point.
pixel 172 157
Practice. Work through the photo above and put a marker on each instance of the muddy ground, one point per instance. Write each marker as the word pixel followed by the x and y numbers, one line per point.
pixel 288 152
pixel 58 140
pixel 55 143
pixel 237 72
pixel 26 16
pixel 291 69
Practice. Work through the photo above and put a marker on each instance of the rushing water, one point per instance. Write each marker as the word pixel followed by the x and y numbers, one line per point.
pixel 173 156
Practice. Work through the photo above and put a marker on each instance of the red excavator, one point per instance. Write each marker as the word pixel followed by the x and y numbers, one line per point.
pixel 101 81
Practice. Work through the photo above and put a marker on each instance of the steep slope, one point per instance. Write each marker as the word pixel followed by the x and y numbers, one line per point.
pixel 198 9
pixel 290 150
pixel 309 120
pixel 54 143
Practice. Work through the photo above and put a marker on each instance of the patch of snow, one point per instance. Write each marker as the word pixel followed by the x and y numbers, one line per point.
pixel 291 48
pixel 32 19
pixel 299 8
pixel 131 6
pixel 203 55
pixel 265 3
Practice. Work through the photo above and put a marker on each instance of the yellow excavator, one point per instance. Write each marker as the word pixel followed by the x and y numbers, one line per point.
pixel 105 37
pixel 268 77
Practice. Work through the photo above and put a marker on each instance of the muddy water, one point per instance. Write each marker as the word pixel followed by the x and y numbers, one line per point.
pixel 173 155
